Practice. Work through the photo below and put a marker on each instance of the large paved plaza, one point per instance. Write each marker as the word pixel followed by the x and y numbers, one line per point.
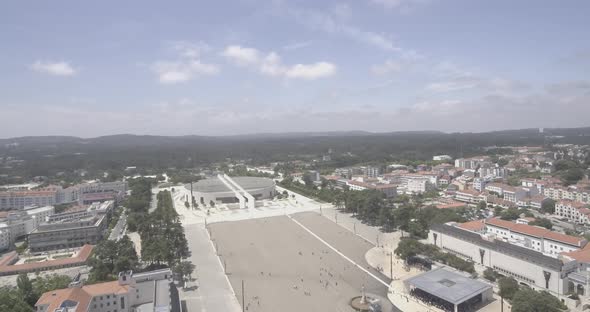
pixel 287 268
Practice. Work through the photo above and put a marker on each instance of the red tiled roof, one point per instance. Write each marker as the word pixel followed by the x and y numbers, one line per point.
pixel 82 296
pixel 470 192
pixel 567 239
pixel 536 231
pixel 475 226
pixel 80 258
pixel 500 223
pixel 530 230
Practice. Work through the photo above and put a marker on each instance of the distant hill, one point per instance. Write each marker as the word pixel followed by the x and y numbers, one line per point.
pixel 54 153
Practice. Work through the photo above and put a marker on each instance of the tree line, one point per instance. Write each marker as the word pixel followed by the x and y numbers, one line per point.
pixel 23 297
pixel 163 242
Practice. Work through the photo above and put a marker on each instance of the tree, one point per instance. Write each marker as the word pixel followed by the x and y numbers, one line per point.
pixel 12 300
pixel 408 248
pixel 502 162
pixel 514 181
pixel 49 283
pixel 529 300
pixel 416 229
pixel 548 206
pixel 572 176
pixel 482 205
pixel 185 270
pixel 285 193
pixel 508 287
pixel 490 274
pixel 544 222
pixel 25 286
pixel 307 180
pixel 510 214
pixel 126 255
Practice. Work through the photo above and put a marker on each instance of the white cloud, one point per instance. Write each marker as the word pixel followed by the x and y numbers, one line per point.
pixel 187 66
pixel 271 64
pixel 182 71
pixel 450 86
pixel 53 68
pixel 241 55
pixel 390 66
pixel 311 71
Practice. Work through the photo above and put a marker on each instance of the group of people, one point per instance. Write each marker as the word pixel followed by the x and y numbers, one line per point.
pixel 430 300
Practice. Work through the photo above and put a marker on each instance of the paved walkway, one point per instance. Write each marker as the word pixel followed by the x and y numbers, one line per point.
pixel 214 292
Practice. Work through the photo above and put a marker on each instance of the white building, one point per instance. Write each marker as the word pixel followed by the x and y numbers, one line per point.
pixel 473 162
pixel 5 237
pixel 441 158
pixel 148 291
pixel 528 267
pixel 576 212
pixel 417 185
pixel 536 238
pixel 493 171
pixel 572 193
pixel 372 172
pixel 39 214
pixel 469 196
pixel 52 195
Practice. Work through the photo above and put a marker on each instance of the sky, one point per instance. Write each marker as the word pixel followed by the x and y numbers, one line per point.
pixel 92 68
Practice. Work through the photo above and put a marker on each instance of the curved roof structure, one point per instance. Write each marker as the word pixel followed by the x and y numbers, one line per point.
pixel 214 185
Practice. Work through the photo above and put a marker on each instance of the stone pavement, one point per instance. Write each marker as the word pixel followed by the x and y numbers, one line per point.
pixel 212 291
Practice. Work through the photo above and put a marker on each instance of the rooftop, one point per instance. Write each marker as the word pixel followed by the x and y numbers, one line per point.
pixel 213 185
pixel 475 226
pixel 536 231
pixel 500 246
pixel 7 269
pixel 450 286
pixel 80 296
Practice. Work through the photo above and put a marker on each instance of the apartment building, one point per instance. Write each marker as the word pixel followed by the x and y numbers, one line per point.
pixel 20 199
pixel 85 193
pixel 576 212
pixel 473 162
pixel 390 190
pixel 574 193
pixel 71 229
pixel 147 291
pixel 417 185
pixel 5 237
pixel 15 224
pixel 492 171
pixel 469 196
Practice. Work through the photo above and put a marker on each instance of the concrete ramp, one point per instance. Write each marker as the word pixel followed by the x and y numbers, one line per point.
pixel 251 201
pixel 229 185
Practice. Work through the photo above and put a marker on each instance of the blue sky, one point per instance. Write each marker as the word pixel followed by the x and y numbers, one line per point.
pixel 250 66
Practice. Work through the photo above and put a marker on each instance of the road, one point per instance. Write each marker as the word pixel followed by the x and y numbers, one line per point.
pixel 120 228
